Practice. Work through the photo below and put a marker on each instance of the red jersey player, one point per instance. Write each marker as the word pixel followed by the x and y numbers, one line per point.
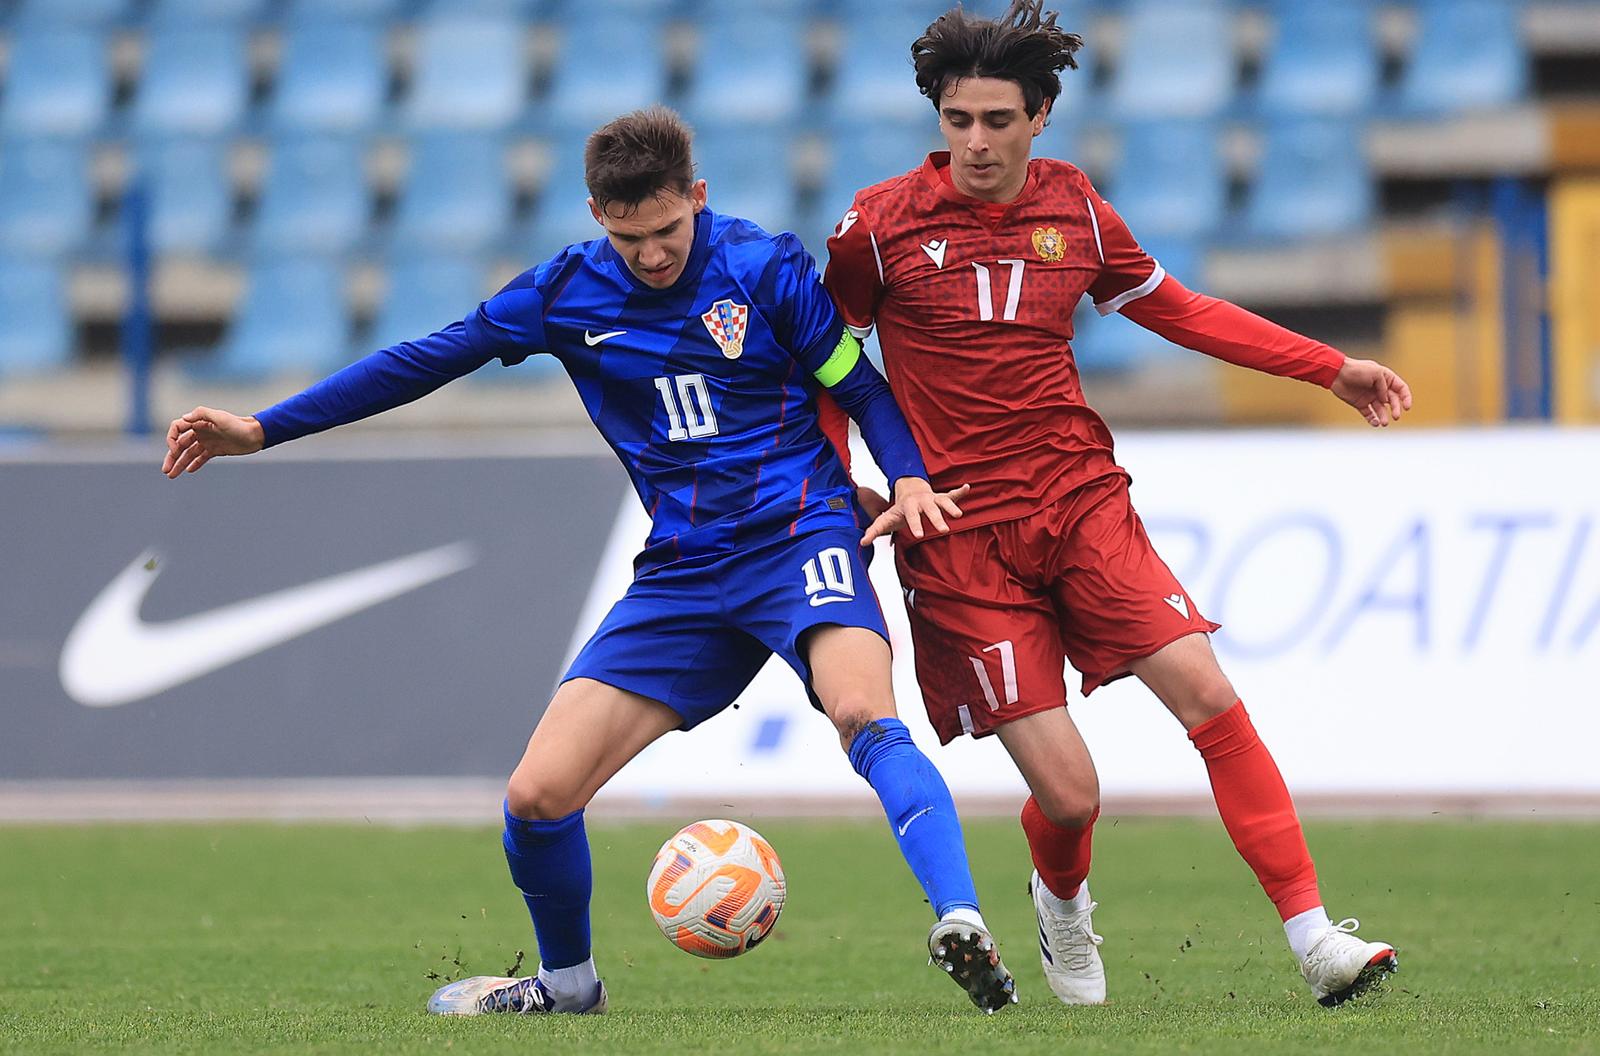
pixel 969 267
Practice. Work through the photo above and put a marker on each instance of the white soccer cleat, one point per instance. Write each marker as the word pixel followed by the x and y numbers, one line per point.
pixel 1339 966
pixel 1069 950
pixel 968 954
pixel 483 994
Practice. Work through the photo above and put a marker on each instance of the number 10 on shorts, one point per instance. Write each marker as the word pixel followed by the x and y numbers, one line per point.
pixel 828 577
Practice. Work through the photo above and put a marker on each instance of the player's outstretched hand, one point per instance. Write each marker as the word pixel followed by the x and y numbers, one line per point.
pixel 202 434
pixel 1377 392
pixel 916 501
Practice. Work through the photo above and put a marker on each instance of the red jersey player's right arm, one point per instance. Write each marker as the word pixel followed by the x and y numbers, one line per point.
pixel 854 277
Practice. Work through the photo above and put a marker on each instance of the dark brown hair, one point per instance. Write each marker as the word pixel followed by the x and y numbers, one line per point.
pixel 1024 45
pixel 638 156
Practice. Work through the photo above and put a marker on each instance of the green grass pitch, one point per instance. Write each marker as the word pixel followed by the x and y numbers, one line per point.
pixel 328 939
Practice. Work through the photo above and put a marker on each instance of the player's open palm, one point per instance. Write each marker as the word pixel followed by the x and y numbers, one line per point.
pixel 204 433
pixel 916 504
pixel 1377 392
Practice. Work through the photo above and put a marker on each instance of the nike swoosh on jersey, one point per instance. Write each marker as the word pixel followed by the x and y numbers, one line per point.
pixel 594 339
pixel 113 657
pixel 817 599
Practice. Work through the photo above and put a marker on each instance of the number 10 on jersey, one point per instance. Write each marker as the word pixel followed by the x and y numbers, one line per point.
pixel 688 400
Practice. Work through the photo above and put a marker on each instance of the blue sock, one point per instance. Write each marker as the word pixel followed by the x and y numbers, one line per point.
pixel 550 865
pixel 920 810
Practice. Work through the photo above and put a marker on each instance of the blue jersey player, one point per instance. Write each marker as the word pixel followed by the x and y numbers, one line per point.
pixel 697 343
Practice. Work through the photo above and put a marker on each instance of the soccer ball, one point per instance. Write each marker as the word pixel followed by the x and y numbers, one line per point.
pixel 716 889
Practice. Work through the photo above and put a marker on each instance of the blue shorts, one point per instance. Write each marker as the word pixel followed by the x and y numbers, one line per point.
pixel 693 633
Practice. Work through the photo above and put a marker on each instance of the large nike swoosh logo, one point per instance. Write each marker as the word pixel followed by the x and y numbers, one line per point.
pixel 824 599
pixel 113 657
pixel 594 339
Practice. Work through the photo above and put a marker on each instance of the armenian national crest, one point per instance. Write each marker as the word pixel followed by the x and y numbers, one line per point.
pixel 1048 243
pixel 726 321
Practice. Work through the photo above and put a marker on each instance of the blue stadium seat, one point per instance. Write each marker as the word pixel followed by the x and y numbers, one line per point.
pixel 58 83
pixel 35 324
pixel 562 216
pixel 1323 59
pixel 863 156
pixel 469 75
pixel 1176 60
pixel 1114 343
pixel 748 172
pixel 1313 181
pixel 73 12
pixel 191 199
pixel 587 92
pixel 1469 54
pixel 325 10
pixel 873 79
pixel 190 12
pixel 332 78
pixel 313 197
pixel 426 293
pixel 291 318
pixel 457 195
pixel 46 206
pixel 1170 181
pixel 195 82
pixel 749 67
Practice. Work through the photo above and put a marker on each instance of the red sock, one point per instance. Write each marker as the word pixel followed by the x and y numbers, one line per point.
pixel 1061 855
pixel 1257 811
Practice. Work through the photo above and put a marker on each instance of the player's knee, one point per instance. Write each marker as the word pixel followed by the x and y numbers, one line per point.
pixel 536 799
pixel 852 714
pixel 1071 805
pixel 1212 698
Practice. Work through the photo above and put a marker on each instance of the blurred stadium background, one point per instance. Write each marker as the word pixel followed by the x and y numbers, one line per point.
pixel 1417 180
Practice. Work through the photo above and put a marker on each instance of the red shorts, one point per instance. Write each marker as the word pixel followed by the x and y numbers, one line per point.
pixel 997 610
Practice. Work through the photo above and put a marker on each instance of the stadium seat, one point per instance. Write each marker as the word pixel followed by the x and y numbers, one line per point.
pixel 425 294
pixel 325 10
pixel 1323 59
pixel 190 12
pixel 1176 60
pixel 291 318
pixel 562 216
pixel 191 199
pixel 863 156
pixel 749 67
pixel 1469 54
pixel 332 77
pixel 457 195
pixel 631 70
pixel 470 74
pixel 313 197
pixel 195 81
pixel 748 173
pixel 99 13
pixel 35 323
pixel 1170 181
pixel 1313 181
pixel 873 80
pixel 46 206
pixel 58 83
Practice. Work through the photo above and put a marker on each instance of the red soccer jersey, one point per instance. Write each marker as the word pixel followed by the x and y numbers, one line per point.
pixel 973 306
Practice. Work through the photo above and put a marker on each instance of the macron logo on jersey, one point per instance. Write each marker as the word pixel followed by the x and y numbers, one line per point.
pixel 935 251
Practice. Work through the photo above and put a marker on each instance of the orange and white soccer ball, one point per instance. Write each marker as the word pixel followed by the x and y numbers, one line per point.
pixel 716 888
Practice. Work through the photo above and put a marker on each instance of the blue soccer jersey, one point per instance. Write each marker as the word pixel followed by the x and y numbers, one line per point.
pixel 704 389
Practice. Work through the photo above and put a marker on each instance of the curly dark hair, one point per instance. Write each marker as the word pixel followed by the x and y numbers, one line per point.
pixel 1024 45
pixel 637 156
